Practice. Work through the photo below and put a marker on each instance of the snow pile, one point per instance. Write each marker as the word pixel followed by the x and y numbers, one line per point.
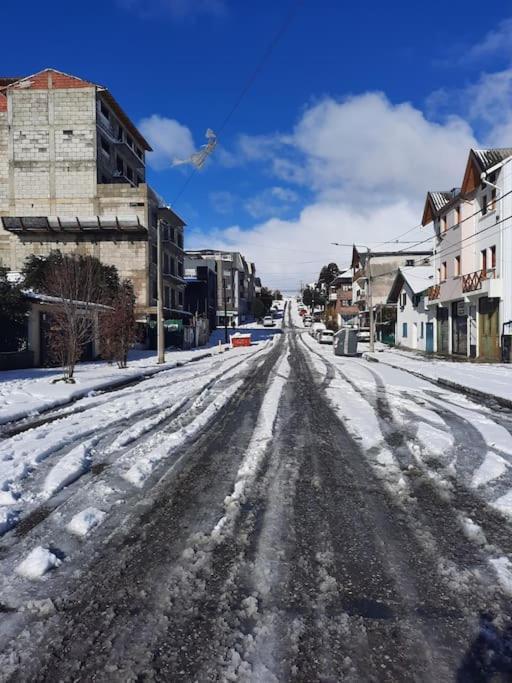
pixel 491 468
pixel 139 472
pixel 256 449
pixel 473 531
pixel 69 468
pixel 82 523
pixel 37 563
pixel 503 568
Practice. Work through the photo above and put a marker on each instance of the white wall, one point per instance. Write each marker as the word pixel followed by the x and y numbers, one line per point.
pixel 416 319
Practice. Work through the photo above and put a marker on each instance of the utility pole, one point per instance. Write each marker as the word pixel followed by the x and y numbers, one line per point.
pixel 159 292
pixel 225 308
pixel 370 302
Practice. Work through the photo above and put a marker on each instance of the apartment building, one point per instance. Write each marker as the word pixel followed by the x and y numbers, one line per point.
pixel 73 177
pixel 381 267
pixel 340 308
pixel 472 292
pixel 236 284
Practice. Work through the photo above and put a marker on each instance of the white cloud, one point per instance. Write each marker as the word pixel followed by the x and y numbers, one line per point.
pixel 288 251
pixel 274 201
pixel 496 41
pixel 369 163
pixel 177 9
pixel 168 138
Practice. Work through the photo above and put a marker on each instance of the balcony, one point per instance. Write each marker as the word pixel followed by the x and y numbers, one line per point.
pixel 472 282
pixel 333 296
pixel 434 292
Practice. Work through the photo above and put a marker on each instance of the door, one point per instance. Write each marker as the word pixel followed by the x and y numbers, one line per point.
pixel 442 330
pixel 429 339
pixel 489 328
pixel 414 340
pixel 459 329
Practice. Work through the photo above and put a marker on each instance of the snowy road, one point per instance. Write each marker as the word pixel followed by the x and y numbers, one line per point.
pixel 284 515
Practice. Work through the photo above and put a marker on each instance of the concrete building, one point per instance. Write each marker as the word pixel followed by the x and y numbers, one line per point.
pixel 472 294
pixel 415 320
pixel 382 267
pixel 72 177
pixel 201 288
pixel 340 308
pixel 236 284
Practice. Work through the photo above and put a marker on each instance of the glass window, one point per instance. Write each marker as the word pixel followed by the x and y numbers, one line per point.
pixel 493 256
pixel 404 329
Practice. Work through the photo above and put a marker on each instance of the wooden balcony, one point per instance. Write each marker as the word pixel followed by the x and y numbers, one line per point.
pixel 473 281
pixel 434 292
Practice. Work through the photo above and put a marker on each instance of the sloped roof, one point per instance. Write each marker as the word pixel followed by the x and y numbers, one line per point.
pixel 419 278
pixel 436 201
pixel 480 160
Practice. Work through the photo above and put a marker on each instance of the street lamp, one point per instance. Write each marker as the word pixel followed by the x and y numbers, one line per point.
pixel 370 293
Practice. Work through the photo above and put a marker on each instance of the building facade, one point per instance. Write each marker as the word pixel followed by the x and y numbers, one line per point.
pixel 415 326
pixel 382 268
pixel 340 308
pixel 472 293
pixel 236 285
pixel 72 177
pixel 201 288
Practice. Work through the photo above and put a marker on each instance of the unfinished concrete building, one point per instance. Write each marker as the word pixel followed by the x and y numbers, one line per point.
pixel 73 177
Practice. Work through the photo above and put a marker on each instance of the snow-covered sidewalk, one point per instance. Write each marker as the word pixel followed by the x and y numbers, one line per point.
pixel 484 380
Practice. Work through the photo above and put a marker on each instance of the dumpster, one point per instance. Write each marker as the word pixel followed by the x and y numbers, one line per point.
pixel 345 342
pixel 239 339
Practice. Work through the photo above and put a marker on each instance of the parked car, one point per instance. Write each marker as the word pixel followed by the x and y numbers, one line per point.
pixel 307 321
pixel 268 321
pixel 325 336
pixel 363 334
pixel 315 327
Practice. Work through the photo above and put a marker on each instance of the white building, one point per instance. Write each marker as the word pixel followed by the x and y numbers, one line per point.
pixel 472 293
pixel 415 320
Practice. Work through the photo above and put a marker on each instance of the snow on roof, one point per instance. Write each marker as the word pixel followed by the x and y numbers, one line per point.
pixel 47 299
pixel 419 278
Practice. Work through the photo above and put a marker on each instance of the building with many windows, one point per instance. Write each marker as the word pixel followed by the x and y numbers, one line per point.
pixel 73 178
pixel 472 293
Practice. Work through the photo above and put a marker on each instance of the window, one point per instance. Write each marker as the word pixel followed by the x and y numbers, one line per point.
pixel 493 200
pixel 104 110
pixel 484 204
pixel 180 268
pixel 173 298
pixel 409 262
pixel 67 132
pixel 105 147
pixel 154 254
pixel 180 298
pixel 422 330
pixel 167 300
pixel 443 271
pixel 416 300
pixel 456 266
pixel 439 274
pixel 180 240
pixel 129 173
pixel 129 141
pixel 166 262
pixel 403 299
pixel 404 329
pixel 119 165
pixel 457 215
pixel 483 260
pixel 138 152
pixel 173 238
pixel 493 256
pixel 154 289
pixel 173 267
pixel 444 224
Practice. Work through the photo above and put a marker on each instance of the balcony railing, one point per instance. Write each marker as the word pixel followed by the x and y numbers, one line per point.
pixel 473 281
pixel 434 292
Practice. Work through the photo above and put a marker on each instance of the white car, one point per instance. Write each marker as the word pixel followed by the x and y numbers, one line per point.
pixel 325 336
pixel 268 321
pixel 316 327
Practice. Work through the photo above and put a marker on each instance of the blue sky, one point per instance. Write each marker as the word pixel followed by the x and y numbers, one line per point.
pixel 360 109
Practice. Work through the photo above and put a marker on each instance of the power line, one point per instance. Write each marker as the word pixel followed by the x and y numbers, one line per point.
pixel 283 27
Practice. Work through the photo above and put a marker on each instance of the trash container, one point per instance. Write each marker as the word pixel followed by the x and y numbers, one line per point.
pixel 345 342
pixel 240 340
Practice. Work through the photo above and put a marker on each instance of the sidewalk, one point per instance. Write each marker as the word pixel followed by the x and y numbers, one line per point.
pixel 489 381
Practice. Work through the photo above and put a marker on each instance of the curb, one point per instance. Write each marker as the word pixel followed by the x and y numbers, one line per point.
pixel 447 383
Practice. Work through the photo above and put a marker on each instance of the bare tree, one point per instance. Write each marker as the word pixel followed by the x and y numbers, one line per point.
pixel 117 325
pixel 75 283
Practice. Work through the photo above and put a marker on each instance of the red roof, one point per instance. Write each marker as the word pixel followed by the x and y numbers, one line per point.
pixel 3 102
